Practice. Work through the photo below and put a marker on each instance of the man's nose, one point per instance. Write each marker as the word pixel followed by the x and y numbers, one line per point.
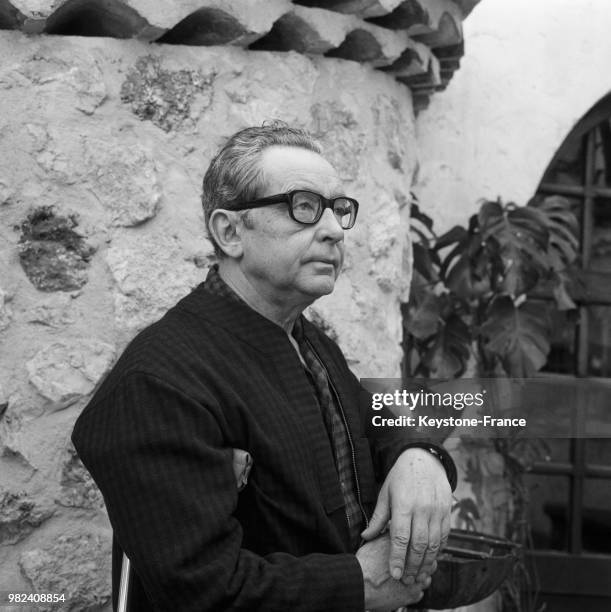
pixel 329 226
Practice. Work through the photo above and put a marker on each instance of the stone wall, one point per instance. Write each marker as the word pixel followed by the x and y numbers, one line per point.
pixel 104 144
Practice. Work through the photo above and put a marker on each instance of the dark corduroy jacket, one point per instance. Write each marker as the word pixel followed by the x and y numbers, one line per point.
pixel 210 376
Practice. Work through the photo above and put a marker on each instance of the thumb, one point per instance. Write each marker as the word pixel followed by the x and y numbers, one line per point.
pixel 379 518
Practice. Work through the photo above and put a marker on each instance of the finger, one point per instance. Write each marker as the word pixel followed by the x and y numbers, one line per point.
pixel 408 580
pixel 445 531
pixel 417 545
pixel 426 582
pixel 416 594
pixel 434 541
pixel 423 581
pixel 425 573
pixel 379 518
pixel 400 533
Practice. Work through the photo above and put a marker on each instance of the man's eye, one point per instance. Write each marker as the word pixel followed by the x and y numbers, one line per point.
pixel 304 205
pixel 342 208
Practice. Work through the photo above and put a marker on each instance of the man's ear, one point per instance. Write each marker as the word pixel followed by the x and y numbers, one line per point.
pixel 225 226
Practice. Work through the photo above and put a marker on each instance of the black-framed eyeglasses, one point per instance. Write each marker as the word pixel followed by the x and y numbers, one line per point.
pixel 307 207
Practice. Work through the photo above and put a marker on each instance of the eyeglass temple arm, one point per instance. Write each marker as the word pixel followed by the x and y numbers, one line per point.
pixel 276 199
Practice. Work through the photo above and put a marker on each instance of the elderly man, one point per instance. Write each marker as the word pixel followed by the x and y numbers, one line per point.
pixel 234 367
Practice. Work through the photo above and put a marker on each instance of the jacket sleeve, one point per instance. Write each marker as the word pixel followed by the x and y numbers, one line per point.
pixel 387 443
pixel 170 491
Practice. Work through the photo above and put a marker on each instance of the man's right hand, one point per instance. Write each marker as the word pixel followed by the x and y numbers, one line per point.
pixel 382 591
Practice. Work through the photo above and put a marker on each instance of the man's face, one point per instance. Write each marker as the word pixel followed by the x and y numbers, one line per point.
pixel 286 261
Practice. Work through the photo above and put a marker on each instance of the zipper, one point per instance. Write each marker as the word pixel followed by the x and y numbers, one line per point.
pixel 349 435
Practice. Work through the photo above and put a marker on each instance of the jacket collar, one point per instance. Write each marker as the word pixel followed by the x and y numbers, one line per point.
pixel 239 319
pixel 216 301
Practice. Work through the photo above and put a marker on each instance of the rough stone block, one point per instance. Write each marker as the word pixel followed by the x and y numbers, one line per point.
pixel 59 156
pixel 13 447
pixel 3 401
pixel 6 193
pixel 54 311
pixel 56 76
pixel 53 256
pixel 76 565
pixel 343 140
pixel 168 98
pixel 151 274
pixel 126 180
pixel 19 516
pixel 64 372
pixel 5 310
pixel 78 489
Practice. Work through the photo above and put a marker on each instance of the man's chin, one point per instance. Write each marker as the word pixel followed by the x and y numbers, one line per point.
pixel 320 286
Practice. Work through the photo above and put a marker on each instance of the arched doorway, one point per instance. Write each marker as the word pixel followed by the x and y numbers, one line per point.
pixel 571 491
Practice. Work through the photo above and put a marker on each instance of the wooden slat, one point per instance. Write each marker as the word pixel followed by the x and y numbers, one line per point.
pixel 577 486
pixel 574 190
pixel 590 288
pixel 572 574
pixel 563 468
pixel 599 471
pixel 555 468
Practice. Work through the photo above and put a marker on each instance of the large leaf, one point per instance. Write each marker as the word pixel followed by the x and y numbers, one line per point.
pixel 456 234
pixel 563 229
pixel 467 278
pixel 447 356
pixel 522 237
pixel 424 319
pixel 466 268
pixel 561 294
pixel 417 215
pixel 424 262
pixel 519 335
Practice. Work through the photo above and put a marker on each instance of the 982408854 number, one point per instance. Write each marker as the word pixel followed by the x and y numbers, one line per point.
pixel 30 598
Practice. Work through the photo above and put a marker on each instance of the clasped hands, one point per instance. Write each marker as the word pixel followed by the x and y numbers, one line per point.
pixel 416 498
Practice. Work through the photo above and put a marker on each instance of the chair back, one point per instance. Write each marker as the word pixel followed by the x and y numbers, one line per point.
pixel 123 604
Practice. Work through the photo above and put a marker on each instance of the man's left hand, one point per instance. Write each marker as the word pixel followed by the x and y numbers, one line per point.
pixel 416 497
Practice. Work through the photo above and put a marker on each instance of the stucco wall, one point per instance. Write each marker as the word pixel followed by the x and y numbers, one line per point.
pixel 530 72
pixel 115 136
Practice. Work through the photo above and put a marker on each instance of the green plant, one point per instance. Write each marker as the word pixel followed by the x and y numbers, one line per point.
pixel 471 309
pixel 471 286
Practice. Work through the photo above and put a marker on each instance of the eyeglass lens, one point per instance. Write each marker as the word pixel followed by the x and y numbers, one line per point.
pixel 307 208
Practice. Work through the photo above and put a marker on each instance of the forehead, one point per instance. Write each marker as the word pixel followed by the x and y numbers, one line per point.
pixel 286 168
